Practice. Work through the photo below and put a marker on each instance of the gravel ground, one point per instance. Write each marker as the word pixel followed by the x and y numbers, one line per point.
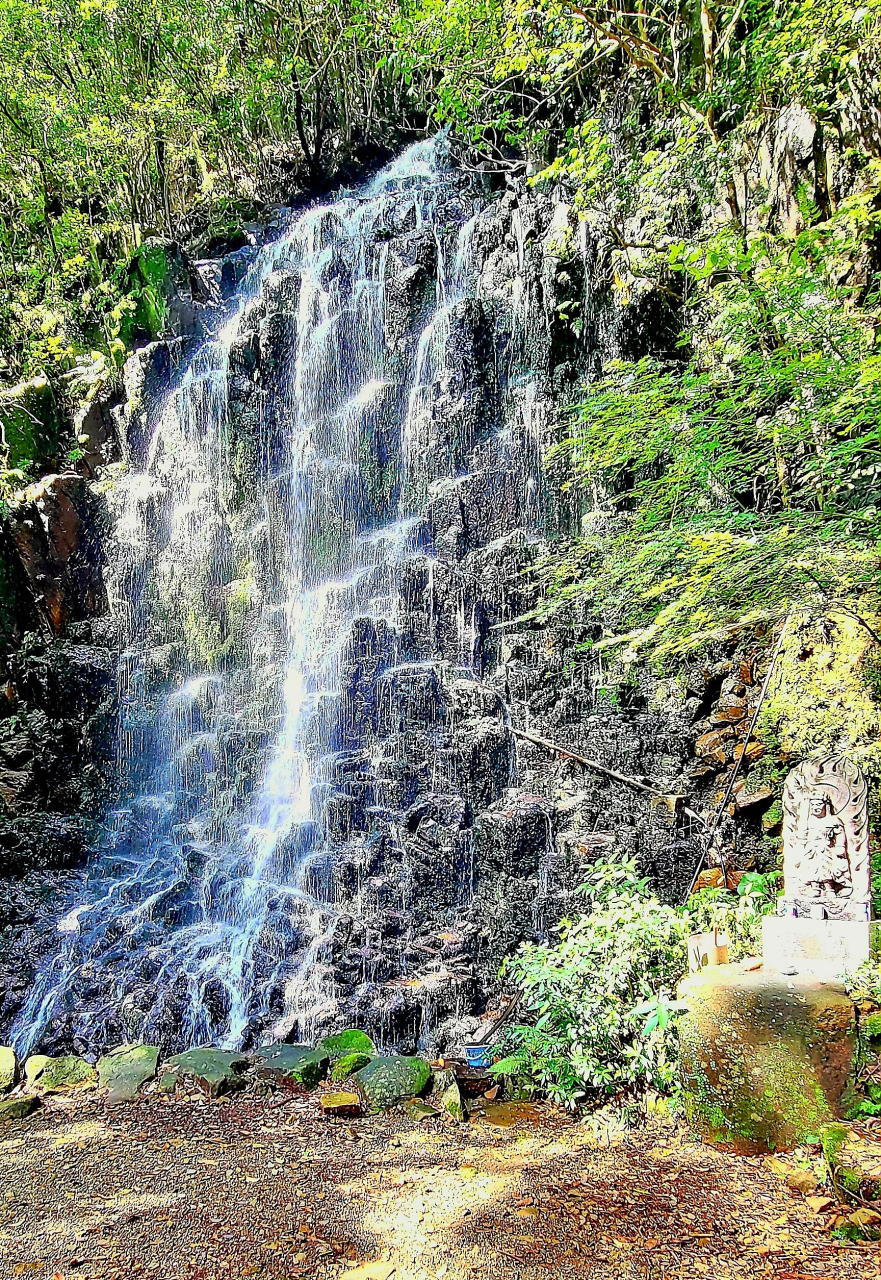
pixel 266 1187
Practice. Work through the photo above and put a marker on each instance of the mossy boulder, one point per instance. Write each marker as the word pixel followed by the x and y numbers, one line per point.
pixel 387 1081
pixel 18 1108
pixel 347 1042
pixel 854 1160
pixel 8 1069
pixel 69 1072
pixel 349 1065
pixel 765 1060
pixel 449 1095
pixel 30 420
pixel 34 1067
pixel 216 1071
pixel 122 1071
pixel 292 1064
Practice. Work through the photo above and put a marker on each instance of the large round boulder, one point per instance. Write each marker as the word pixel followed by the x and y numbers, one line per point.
pixel 388 1081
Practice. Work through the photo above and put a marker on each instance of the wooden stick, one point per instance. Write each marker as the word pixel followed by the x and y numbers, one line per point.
pixel 596 767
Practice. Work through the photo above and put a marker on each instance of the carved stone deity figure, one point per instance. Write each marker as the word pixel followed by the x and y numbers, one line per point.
pixel 826 840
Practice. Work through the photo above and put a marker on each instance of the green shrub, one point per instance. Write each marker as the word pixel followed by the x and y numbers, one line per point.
pixel 739 915
pixel 602 1017
pixel 589 994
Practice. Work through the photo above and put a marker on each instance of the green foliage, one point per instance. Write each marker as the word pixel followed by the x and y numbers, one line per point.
pixel 602 1017
pixel 820 704
pixel 739 915
pixel 741 483
pixel 586 994
pixel 126 118
pixel 865 984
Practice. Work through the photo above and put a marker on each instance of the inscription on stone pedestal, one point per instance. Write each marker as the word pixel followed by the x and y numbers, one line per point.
pixel 825 949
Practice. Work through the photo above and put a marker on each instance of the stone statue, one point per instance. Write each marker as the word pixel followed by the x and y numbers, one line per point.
pixel 826 841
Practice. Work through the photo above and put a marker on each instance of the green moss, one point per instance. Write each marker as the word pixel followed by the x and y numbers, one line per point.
pixel 150 271
pixel 765 1094
pixel 348 1065
pixel 66 1073
pixel 818 698
pixel 387 1081
pixel 30 422
pixel 346 1043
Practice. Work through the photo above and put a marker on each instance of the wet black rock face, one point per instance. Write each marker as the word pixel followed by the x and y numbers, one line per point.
pixel 438 841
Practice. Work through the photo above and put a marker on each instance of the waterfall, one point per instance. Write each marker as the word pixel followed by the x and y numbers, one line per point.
pixel 262 544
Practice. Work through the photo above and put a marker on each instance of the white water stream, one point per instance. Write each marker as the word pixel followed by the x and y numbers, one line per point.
pixel 204 913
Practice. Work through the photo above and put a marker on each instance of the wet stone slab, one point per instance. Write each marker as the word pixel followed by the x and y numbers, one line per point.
pixel 123 1071
pixel 292 1064
pixel 216 1071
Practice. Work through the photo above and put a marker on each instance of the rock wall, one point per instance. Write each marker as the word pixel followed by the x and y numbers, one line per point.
pixel 455 838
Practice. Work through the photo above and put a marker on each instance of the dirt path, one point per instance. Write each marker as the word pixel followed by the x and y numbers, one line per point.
pixel 265 1187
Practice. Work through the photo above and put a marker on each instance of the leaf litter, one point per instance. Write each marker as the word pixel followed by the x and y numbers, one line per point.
pixel 267 1187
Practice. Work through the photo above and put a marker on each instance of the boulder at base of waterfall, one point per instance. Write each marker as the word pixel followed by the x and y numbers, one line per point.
pixel 18 1108
pixel 388 1081
pixel 34 1067
pixel 341 1104
pixel 8 1069
pixel 347 1042
pixel 122 1071
pixel 292 1064
pixel 416 1109
pixel 449 1096
pixel 766 1059
pixel 61 1074
pixel 216 1071
pixel 348 1065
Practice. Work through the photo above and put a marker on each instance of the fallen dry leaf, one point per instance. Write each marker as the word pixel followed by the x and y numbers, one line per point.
pixel 818 1203
pixel 863 1217
pixel 370 1271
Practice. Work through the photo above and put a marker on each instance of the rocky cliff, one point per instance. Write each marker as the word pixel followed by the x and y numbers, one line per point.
pixel 448 836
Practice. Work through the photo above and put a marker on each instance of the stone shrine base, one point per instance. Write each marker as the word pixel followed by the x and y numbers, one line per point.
pixel 766 1058
pixel 823 948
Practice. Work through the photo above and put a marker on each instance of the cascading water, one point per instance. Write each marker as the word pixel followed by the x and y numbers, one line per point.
pixel 269 685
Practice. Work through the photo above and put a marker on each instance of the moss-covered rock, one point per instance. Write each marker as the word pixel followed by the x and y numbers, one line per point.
pixel 854 1160
pixel 216 1071
pixel 8 1069
pixel 765 1060
pixel 122 1071
pixel 347 1042
pixel 349 1065
pixel 449 1097
pixel 388 1081
pixel 18 1108
pixel 292 1064
pixel 34 1067
pixel 69 1072
pixel 29 416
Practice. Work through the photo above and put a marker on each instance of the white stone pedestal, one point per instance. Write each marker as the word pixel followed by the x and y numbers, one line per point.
pixel 823 948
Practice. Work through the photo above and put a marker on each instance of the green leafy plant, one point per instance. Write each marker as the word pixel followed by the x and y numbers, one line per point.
pixel 602 1015
pixel 586 1039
